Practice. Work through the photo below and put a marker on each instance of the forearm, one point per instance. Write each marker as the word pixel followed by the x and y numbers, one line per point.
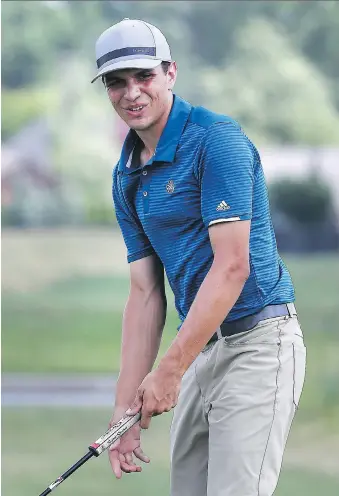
pixel 143 323
pixel 215 298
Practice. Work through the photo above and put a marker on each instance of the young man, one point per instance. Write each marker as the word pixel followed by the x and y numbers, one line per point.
pixel 190 198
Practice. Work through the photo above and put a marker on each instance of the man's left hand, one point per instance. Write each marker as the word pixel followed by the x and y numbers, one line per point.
pixel 158 393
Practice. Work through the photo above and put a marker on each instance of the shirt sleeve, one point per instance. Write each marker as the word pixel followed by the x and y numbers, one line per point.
pixel 137 243
pixel 226 169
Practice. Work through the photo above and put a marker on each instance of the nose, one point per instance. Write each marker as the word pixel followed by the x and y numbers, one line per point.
pixel 132 91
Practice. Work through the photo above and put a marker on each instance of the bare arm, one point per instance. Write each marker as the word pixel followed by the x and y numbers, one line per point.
pixel 143 323
pixel 217 294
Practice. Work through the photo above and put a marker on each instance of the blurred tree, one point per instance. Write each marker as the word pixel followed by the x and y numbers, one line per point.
pixel 303 215
pixel 263 77
pixel 33 36
pixel 213 28
pixel 85 144
pixel 275 98
pixel 23 105
pixel 34 32
pixel 314 26
pixel 305 201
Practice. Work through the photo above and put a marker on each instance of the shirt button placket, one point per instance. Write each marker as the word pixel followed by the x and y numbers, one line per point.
pixel 145 190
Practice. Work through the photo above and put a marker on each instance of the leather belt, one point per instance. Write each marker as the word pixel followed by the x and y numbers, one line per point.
pixel 250 321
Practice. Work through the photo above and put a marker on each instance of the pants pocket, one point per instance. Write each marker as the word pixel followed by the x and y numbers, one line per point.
pixel 299 358
pixel 265 332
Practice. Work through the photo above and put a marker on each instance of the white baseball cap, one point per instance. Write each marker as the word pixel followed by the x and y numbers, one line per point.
pixel 130 44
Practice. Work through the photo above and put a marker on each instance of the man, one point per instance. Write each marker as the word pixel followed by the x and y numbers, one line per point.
pixel 191 199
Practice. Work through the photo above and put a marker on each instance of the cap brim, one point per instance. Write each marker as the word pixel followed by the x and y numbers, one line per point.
pixel 128 64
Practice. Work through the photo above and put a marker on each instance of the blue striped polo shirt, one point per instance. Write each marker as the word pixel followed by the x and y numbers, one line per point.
pixel 205 170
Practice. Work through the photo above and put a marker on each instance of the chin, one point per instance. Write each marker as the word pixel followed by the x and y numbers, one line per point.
pixel 140 126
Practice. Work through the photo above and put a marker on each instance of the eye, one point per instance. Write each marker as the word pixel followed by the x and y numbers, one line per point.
pixel 112 83
pixel 145 76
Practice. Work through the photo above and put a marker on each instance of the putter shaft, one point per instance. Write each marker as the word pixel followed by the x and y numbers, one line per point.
pixel 68 472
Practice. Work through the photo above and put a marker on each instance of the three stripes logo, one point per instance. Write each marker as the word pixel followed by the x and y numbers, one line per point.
pixel 223 206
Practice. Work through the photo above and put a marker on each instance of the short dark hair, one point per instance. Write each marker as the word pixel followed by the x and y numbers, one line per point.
pixel 165 66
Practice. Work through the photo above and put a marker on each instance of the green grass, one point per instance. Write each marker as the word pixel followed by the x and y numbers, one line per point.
pixel 316 280
pixel 70 326
pixel 40 444
pixel 74 326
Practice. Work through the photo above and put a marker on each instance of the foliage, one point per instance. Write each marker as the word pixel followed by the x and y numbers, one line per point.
pixel 312 27
pixel 34 36
pixel 271 96
pixel 22 105
pixel 305 201
pixel 273 66
pixel 272 62
pixel 85 150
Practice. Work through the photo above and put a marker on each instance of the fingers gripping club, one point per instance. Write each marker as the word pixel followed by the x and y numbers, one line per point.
pixel 96 448
pixel 113 434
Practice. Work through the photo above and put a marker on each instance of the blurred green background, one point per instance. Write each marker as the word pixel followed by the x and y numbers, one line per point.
pixel 273 66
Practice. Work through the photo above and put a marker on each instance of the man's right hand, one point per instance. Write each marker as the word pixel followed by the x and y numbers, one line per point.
pixel 122 451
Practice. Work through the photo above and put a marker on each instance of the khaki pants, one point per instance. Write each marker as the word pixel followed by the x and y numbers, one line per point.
pixel 235 410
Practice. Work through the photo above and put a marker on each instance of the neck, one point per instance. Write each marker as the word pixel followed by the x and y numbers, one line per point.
pixel 150 137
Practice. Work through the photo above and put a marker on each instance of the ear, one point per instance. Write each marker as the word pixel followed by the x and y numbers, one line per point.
pixel 172 75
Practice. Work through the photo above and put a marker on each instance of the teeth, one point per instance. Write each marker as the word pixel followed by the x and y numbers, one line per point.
pixel 136 109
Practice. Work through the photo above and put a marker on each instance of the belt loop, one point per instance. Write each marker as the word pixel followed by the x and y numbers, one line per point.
pixel 291 309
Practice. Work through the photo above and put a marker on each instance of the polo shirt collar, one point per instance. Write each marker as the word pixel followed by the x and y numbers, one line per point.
pixel 169 140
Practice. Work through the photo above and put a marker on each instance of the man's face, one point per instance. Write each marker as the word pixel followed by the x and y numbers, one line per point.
pixel 141 96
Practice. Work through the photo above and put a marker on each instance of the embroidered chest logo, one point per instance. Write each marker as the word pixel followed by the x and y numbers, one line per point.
pixel 170 186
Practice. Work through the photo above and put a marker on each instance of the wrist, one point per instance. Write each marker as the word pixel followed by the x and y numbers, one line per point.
pixel 118 413
pixel 124 394
pixel 173 361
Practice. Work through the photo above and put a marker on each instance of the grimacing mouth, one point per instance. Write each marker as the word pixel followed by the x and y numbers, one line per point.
pixel 135 108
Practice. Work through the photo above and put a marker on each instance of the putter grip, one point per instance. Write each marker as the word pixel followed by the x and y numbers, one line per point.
pixel 113 434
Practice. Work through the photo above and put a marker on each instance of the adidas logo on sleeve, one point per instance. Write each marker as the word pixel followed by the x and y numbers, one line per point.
pixel 223 206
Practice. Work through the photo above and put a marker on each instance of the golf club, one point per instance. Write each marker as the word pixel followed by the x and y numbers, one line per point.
pixel 95 449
